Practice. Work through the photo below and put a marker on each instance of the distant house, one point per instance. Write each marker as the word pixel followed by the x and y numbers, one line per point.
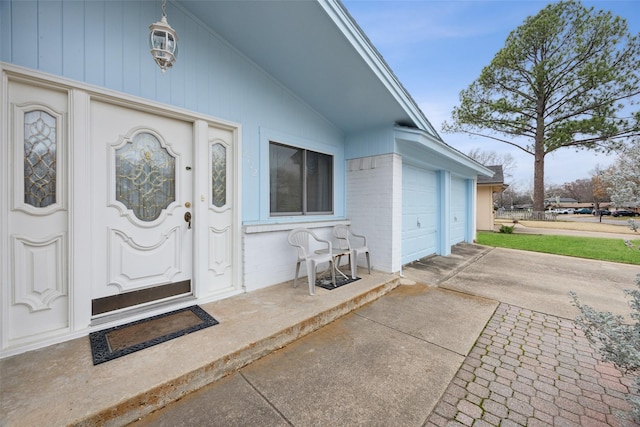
pixel 560 201
pixel 487 187
pixel 127 192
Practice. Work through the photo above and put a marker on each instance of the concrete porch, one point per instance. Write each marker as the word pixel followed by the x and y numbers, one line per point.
pixel 59 385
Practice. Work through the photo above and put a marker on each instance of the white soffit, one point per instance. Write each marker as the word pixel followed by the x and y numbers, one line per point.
pixel 315 50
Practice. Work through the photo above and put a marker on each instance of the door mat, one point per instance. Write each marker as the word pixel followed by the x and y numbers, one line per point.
pixel 119 341
pixel 325 282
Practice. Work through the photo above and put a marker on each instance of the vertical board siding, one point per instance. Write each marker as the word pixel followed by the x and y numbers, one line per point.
pixel 5 29
pixel 175 94
pixel 113 45
pixel 49 36
pixel 24 40
pixel 94 46
pixel 105 43
pixel 371 143
pixel 73 40
pixel 131 52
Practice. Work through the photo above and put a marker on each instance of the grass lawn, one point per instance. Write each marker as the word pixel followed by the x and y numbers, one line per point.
pixel 581 247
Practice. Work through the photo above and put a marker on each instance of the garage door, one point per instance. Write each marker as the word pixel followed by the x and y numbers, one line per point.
pixel 419 213
pixel 459 211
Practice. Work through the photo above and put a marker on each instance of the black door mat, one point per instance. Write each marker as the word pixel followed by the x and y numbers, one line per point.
pixel 325 282
pixel 119 341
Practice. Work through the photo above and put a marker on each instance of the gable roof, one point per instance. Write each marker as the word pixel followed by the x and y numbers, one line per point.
pixel 496 179
pixel 316 49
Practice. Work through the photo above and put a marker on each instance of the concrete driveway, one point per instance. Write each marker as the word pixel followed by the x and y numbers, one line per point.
pixel 484 337
pixel 542 282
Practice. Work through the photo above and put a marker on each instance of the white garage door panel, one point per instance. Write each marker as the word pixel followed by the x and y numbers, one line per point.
pixel 458 218
pixel 419 213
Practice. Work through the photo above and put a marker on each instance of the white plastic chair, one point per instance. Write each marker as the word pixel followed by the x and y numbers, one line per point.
pixel 300 238
pixel 346 241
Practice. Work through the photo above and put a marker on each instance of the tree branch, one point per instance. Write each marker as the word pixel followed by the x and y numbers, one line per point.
pixel 499 140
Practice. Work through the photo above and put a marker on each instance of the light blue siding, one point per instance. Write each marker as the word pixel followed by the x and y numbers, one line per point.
pixel 459 210
pixel 94 44
pixel 5 28
pixel 73 41
pixel 50 17
pixel 372 143
pixel 105 43
pixel 132 53
pixel 113 43
pixel 25 35
pixel 444 212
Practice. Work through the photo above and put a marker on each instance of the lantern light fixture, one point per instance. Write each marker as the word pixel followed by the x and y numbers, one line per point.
pixel 163 41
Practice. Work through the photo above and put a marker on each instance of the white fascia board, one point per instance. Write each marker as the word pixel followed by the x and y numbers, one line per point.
pixel 422 138
pixel 347 25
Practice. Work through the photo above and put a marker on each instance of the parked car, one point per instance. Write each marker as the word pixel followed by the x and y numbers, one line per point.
pixel 584 211
pixel 565 211
pixel 602 212
pixel 624 212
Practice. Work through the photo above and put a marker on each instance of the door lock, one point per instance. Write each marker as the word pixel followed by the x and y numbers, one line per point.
pixel 187 218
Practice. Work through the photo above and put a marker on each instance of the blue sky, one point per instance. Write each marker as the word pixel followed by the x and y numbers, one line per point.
pixel 438 48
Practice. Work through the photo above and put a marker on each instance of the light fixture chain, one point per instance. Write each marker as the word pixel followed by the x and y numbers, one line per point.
pixel 164 7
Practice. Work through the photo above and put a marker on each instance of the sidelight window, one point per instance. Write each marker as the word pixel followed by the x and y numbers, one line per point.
pixel 39 159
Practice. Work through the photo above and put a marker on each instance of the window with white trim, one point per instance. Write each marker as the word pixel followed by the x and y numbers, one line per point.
pixel 300 181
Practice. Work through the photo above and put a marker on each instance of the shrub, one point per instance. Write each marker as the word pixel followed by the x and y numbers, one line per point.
pixel 508 229
pixel 633 225
pixel 618 341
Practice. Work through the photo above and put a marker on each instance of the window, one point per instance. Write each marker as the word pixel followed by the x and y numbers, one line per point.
pixel 300 181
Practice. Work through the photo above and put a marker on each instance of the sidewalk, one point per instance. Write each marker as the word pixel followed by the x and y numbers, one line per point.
pixel 522 229
pixel 621 231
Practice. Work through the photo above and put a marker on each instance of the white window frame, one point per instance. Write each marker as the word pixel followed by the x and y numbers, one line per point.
pixel 305 211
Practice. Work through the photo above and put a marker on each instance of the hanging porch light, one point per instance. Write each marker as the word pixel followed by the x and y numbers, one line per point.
pixel 163 41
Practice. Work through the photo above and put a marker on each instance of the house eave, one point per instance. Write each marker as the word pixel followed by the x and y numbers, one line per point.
pixel 317 51
pixel 367 50
pixel 440 151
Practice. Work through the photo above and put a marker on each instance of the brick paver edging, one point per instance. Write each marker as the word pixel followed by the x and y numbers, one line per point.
pixel 533 369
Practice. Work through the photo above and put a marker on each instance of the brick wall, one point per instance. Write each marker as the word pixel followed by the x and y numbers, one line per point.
pixel 269 259
pixel 374 206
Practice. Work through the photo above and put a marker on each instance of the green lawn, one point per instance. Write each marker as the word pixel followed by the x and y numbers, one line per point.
pixel 581 247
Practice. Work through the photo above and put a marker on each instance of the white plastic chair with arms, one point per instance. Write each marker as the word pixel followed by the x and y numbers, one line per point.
pixel 346 241
pixel 300 238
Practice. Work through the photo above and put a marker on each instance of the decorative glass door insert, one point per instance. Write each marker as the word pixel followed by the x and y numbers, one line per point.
pixel 219 175
pixel 145 176
pixel 40 146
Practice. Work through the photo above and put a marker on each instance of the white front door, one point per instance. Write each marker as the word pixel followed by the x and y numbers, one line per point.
pixel 142 197
pixel 93 198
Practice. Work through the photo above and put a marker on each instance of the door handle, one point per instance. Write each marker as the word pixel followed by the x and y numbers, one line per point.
pixel 187 218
